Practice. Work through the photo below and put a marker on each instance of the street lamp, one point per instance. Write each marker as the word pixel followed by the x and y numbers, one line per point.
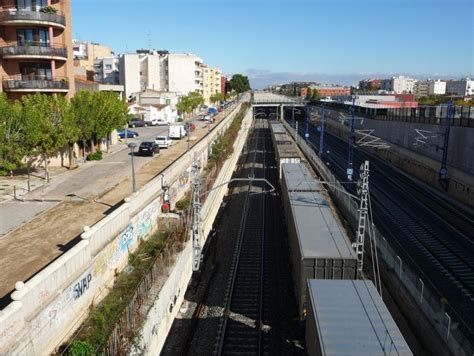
pixel 132 146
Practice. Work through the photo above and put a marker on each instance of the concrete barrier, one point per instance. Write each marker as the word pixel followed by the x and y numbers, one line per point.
pixel 49 307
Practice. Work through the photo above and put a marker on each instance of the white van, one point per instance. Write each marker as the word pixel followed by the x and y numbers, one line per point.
pixel 177 131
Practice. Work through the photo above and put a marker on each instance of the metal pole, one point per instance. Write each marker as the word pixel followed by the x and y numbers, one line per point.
pixel 293 115
pixel 350 156
pixel 321 135
pixel 443 171
pixel 306 135
pixel 134 188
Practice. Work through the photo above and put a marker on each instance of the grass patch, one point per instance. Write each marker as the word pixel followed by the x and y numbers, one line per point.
pixel 223 147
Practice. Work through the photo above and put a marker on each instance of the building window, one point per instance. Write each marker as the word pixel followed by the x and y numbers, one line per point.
pixel 108 66
pixel 35 71
pixel 35 37
pixel 31 5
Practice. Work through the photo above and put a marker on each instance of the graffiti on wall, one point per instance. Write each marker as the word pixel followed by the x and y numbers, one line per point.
pixel 127 238
pixel 55 312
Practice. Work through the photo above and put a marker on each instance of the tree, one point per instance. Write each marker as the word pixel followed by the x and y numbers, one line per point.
pixel 43 119
pixel 316 96
pixel 81 105
pixel 309 93
pixel 12 147
pixel 240 83
pixel 217 97
pixel 190 102
pixel 109 113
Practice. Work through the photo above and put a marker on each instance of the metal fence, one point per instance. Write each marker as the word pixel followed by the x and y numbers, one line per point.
pixel 463 116
pixel 124 331
pixel 407 276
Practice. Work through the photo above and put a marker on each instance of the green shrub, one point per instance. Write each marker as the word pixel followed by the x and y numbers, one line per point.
pixel 6 167
pixel 80 348
pixel 179 119
pixel 96 156
pixel 184 202
pixel 48 10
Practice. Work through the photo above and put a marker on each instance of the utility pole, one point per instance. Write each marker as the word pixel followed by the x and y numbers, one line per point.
pixel 363 192
pixel 293 116
pixel 350 156
pixel 321 134
pixel 306 135
pixel 197 248
pixel 443 171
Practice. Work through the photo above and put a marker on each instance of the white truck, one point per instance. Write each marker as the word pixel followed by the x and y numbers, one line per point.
pixel 177 131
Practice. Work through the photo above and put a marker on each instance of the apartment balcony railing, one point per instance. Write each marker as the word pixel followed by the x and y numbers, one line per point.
pixel 34 50
pixel 15 17
pixel 35 83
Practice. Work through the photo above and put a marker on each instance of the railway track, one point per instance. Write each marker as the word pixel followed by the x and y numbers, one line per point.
pixel 432 233
pixel 241 329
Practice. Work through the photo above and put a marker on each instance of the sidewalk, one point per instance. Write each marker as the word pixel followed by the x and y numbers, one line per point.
pixel 35 244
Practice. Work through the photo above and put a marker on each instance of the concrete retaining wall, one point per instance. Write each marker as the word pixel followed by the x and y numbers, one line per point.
pixel 161 316
pixel 50 306
pixel 461 186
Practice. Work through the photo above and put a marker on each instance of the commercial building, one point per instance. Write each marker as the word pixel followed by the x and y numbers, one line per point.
pixel 327 90
pixel 369 84
pixel 106 70
pixel 86 52
pixel 211 82
pixel 36 47
pixel 463 87
pixel 430 87
pixel 398 85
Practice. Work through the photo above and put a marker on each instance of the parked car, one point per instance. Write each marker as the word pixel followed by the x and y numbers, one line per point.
pixel 206 118
pixel 148 148
pixel 137 123
pixel 190 127
pixel 163 141
pixel 177 131
pixel 129 133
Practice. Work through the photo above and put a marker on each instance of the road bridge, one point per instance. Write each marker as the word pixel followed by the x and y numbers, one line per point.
pixel 270 102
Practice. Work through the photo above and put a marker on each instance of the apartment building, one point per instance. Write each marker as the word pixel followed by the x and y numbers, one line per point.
pixel 211 82
pixel 430 87
pixel 143 70
pixel 85 53
pixel 36 47
pixel 160 71
pixel 185 73
pixel 398 85
pixel 106 70
pixel 463 87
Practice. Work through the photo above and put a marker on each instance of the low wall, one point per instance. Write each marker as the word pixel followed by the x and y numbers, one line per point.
pixel 50 306
pixel 161 316
pixel 407 280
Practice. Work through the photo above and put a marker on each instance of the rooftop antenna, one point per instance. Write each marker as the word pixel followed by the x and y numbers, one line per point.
pixel 149 39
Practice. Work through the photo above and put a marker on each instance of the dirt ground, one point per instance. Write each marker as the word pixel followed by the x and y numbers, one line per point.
pixel 34 245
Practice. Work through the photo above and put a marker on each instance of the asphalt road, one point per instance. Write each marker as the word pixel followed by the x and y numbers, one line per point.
pixel 88 181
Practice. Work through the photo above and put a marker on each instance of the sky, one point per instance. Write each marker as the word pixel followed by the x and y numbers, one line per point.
pixel 277 41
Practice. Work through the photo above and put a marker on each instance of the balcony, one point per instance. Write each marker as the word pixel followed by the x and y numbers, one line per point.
pixel 33 50
pixel 35 83
pixel 14 17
